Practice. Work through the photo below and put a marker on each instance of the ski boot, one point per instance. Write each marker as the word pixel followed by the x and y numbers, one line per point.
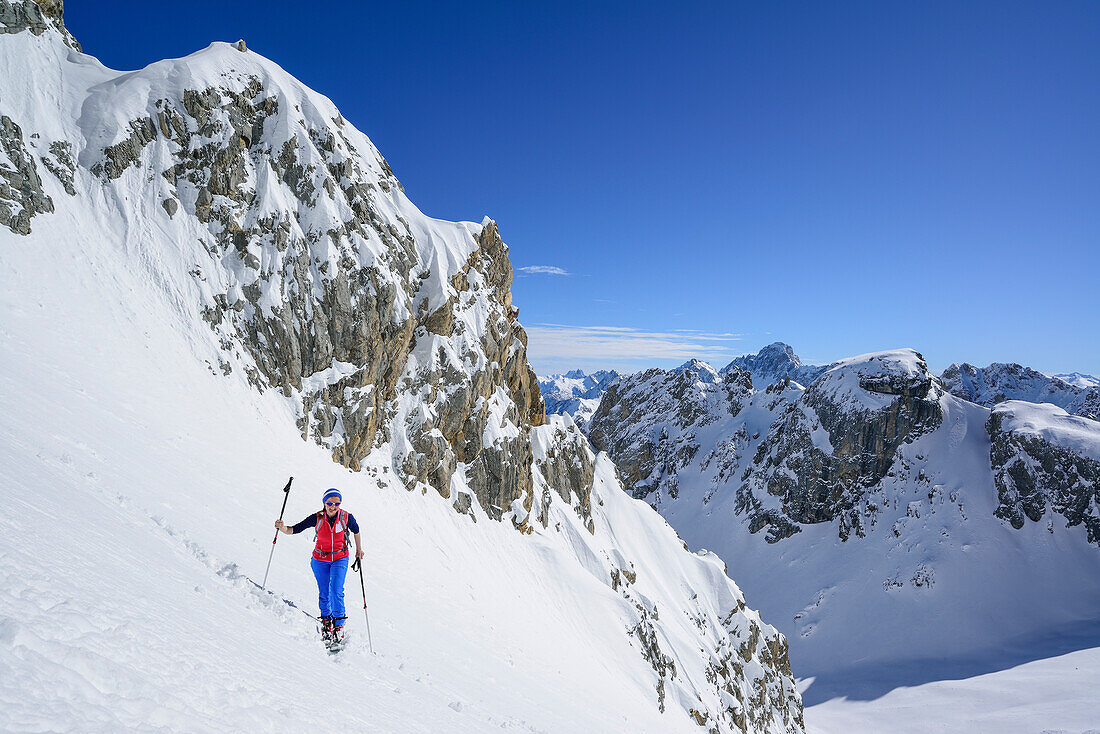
pixel 338 631
pixel 326 630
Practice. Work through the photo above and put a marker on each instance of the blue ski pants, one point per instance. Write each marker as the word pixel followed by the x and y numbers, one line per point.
pixel 330 586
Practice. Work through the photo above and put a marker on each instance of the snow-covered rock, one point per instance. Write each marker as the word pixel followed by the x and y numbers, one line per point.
pixel 203 263
pixel 1045 460
pixel 649 422
pixel 999 382
pixel 836 441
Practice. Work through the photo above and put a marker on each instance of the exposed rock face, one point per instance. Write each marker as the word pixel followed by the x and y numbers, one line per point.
pixel 330 296
pixel 647 422
pixel 60 163
pixel 1045 460
pixel 567 465
pixel 17 16
pixel 999 382
pixel 775 363
pixel 837 441
pixel 21 194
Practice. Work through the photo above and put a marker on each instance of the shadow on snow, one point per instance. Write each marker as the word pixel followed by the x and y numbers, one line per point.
pixel 866 682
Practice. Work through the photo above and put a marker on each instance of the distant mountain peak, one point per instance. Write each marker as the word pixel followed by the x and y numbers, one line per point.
pixel 1079 379
pixel 702 370
pixel 775 362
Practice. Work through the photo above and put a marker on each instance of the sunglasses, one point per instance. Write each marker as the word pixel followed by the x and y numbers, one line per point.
pixel 332 504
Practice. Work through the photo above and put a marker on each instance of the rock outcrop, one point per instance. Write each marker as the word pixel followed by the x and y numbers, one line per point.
pixel 1045 462
pixel 21 194
pixel 837 441
pixel 35 17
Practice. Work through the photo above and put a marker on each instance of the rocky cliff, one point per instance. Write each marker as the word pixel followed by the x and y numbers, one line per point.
pixel 1045 462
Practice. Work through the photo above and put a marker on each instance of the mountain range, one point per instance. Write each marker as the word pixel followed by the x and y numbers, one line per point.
pixel 895 531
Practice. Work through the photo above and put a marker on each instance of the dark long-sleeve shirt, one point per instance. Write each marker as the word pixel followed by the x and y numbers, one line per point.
pixel 311 522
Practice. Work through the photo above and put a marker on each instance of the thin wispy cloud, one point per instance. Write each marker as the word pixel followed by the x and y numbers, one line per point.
pixel 553 347
pixel 543 270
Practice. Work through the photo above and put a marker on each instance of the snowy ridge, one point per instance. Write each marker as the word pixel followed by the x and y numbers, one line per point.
pixel 1052 425
pixel 227 267
pixel 1079 379
pixel 999 382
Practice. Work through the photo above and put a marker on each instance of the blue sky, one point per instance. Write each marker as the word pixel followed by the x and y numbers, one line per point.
pixel 703 179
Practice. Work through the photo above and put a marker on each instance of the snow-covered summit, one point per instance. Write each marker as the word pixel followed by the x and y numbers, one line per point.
pixel 701 370
pixel 1079 379
pixel 775 363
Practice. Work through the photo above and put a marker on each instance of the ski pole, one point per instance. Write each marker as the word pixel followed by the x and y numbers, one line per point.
pixel 286 496
pixel 358 565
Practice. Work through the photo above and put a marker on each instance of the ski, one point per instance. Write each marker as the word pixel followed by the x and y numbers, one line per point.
pixel 284 600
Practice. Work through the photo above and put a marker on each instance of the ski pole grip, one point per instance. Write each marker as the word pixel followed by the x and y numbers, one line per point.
pixel 286 496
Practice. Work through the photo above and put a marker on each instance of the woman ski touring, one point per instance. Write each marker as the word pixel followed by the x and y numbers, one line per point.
pixel 330 560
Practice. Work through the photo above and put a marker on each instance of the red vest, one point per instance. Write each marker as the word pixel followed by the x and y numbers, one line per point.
pixel 332 542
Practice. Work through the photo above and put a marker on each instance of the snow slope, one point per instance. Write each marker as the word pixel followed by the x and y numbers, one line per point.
pixel 1050 694
pixel 144 444
pixel 165 480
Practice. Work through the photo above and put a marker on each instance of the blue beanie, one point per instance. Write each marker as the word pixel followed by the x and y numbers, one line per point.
pixel 333 492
